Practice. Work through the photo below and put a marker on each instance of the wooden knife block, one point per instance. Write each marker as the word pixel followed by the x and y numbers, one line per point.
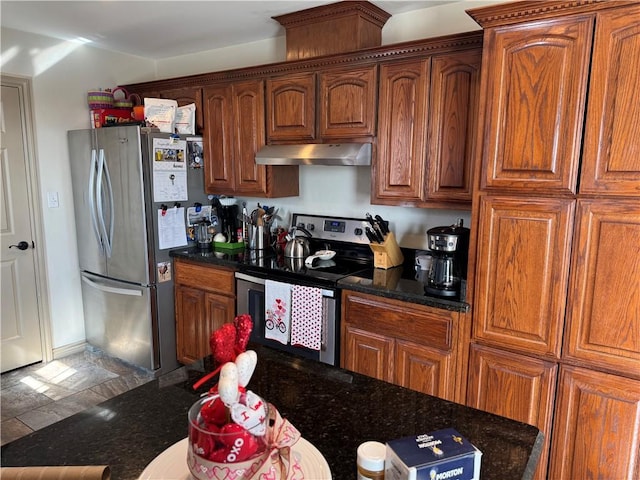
pixel 388 253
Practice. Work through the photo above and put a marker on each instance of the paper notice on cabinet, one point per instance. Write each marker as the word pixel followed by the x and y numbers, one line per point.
pixel 171 228
pixel 169 170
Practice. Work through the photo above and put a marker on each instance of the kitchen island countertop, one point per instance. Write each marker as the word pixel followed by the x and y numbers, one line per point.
pixel 334 409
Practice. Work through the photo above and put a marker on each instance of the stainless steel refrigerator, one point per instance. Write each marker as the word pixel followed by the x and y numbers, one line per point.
pixel 128 298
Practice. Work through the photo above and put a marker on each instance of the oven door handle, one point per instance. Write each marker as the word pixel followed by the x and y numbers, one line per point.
pixel 262 281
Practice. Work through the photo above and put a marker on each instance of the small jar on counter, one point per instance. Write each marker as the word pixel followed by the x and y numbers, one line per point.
pixel 370 459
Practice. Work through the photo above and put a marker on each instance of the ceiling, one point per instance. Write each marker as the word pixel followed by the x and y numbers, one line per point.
pixel 162 29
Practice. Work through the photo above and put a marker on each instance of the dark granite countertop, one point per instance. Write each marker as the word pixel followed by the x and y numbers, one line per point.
pixel 401 283
pixel 334 409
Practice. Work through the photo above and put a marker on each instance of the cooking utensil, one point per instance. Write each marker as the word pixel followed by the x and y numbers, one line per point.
pixel 373 236
pixel 298 247
pixel 377 229
pixel 382 224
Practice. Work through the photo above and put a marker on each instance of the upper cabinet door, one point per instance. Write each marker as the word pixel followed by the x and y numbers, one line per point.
pixel 249 136
pixel 536 77
pixel 291 108
pixel 453 112
pixel 218 140
pixel 611 158
pixel 348 103
pixel 399 167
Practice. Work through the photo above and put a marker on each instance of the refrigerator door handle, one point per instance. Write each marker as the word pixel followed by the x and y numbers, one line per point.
pixel 92 199
pixel 118 291
pixel 111 211
pixel 106 235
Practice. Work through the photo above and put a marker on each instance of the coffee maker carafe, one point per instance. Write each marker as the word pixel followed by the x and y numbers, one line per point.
pixel 449 247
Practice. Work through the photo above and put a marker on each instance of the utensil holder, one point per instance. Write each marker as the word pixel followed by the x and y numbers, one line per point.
pixel 388 253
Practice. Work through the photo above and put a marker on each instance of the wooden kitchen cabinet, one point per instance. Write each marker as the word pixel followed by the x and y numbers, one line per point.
pixel 524 247
pixel 536 84
pixel 408 344
pixel 234 132
pixel 205 300
pixel 427 116
pixel 400 164
pixel 368 353
pixel 603 315
pixel 596 426
pixel 534 127
pixel 291 108
pixel 515 386
pixel 453 121
pixel 611 155
pixel 344 108
pixel 347 103
pixel 559 188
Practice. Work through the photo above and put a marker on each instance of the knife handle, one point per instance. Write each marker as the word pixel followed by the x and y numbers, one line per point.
pixel 371 235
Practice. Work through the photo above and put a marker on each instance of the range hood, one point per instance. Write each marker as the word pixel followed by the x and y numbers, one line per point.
pixel 355 154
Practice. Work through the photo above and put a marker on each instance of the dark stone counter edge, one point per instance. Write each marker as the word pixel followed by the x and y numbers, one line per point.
pixel 227 260
pixel 407 297
pixel 83 440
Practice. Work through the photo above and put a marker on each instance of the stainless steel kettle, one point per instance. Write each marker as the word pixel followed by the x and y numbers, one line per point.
pixel 298 247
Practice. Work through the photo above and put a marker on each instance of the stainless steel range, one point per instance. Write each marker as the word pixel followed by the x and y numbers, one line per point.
pixel 295 305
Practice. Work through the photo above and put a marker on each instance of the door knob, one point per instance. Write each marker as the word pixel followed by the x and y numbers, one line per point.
pixel 21 245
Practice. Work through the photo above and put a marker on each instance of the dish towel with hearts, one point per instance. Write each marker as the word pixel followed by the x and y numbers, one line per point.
pixel 306 316
pixel 277 315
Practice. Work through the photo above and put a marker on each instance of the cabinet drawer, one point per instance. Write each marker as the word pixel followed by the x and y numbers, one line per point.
pixel 400 320
pixel 212 279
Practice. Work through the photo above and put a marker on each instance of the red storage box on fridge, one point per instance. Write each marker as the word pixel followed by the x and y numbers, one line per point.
pixel 110 116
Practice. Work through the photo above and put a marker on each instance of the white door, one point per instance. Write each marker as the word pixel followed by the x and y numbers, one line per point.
pixel 20 332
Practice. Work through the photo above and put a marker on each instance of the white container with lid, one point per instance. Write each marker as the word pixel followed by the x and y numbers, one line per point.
pixel 370 458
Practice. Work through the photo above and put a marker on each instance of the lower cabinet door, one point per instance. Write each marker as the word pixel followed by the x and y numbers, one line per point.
pixel 596 427
pixel 515 386
pixel 190 314
pixel 425 370
pixel 368 353
pixel 198 315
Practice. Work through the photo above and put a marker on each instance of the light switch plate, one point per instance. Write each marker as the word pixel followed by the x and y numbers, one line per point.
pixel 53 200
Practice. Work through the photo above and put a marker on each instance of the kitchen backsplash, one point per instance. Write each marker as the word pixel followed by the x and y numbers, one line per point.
pixel 346 192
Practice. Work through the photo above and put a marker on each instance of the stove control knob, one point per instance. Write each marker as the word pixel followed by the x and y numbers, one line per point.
pixel 357 232
pixel 311 227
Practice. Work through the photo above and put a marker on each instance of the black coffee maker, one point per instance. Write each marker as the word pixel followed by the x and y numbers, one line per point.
pixel 449 247
pixel 228 216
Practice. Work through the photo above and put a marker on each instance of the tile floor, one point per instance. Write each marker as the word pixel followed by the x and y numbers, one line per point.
pixel 36 396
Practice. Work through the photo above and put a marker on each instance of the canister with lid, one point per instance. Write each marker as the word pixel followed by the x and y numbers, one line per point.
pixel 370 458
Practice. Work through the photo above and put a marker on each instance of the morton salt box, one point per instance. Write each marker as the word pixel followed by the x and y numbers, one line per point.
pixel 440 455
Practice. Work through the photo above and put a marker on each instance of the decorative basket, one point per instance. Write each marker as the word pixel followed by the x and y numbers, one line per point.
pixel 125 101
pixel 100 98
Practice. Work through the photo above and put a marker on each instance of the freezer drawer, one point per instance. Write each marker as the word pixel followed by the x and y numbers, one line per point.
pixel 120 319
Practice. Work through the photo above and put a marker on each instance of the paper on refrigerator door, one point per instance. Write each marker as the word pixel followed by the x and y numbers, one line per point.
pixel 169 170
pixel 171 228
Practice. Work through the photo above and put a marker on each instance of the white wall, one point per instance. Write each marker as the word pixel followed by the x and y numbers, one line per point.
pixel 63 72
